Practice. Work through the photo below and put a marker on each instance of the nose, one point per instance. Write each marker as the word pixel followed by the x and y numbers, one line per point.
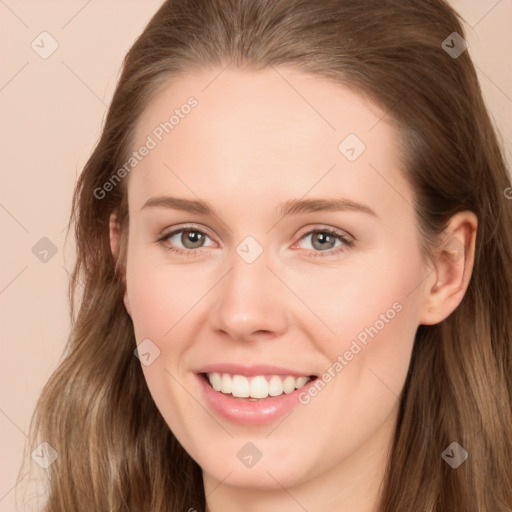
pixel 250 302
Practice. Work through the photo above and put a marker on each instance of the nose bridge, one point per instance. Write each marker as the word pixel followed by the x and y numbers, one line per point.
pixel 250 299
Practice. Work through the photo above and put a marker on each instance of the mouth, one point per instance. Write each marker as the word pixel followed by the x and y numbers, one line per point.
pixel 255 388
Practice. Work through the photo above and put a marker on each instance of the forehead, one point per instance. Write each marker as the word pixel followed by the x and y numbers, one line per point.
pixel 268 132
pixel 246 103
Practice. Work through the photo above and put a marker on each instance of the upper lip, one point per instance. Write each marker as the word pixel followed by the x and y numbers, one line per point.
pixel 251 371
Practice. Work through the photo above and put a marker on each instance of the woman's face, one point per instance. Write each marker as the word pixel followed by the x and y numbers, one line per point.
pixel 299 258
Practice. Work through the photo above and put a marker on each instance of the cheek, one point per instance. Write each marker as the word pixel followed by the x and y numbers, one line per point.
pixel 159 295
pixel 360 303
pixel 372 314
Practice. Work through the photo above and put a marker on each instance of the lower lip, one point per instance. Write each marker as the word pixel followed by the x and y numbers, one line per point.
pixel 248 412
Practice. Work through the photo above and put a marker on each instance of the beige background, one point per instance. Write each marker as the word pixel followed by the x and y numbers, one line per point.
pixel 52 112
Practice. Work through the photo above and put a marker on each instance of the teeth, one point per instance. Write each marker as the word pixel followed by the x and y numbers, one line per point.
pixel 258 387
pixel 289 384
pixel 226 383
pixel 240 386
pixel 255 387
pixel 275 386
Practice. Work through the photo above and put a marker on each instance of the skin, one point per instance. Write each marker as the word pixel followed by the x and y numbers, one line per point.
pixel 255 140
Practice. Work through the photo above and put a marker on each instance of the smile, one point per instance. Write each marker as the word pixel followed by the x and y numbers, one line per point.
pixel 262 396
pixel 257 387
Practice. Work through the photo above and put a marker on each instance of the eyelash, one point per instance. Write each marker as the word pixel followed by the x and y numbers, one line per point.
pixel 347 242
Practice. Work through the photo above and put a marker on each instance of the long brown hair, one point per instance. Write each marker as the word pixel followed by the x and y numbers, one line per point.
pixel 115 451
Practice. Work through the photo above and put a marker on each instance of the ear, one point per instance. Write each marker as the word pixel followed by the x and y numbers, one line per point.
pixel 115 246
pixel 453 261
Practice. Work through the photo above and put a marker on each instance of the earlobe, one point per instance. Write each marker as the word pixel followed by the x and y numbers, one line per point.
pixel 115 247
pixel 127 302
pixel 114 232
pixel 454 261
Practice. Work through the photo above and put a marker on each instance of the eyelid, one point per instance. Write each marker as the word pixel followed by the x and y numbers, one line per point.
pixel 182 227
pixel 324 228
pixel 319 227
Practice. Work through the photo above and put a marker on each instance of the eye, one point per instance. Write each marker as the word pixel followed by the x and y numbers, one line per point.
pixel 190 237
pixel 324 240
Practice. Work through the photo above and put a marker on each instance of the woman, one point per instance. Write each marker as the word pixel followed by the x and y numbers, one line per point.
pixel 295 245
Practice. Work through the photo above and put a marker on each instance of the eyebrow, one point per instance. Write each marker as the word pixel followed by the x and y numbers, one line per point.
pixel 290 207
